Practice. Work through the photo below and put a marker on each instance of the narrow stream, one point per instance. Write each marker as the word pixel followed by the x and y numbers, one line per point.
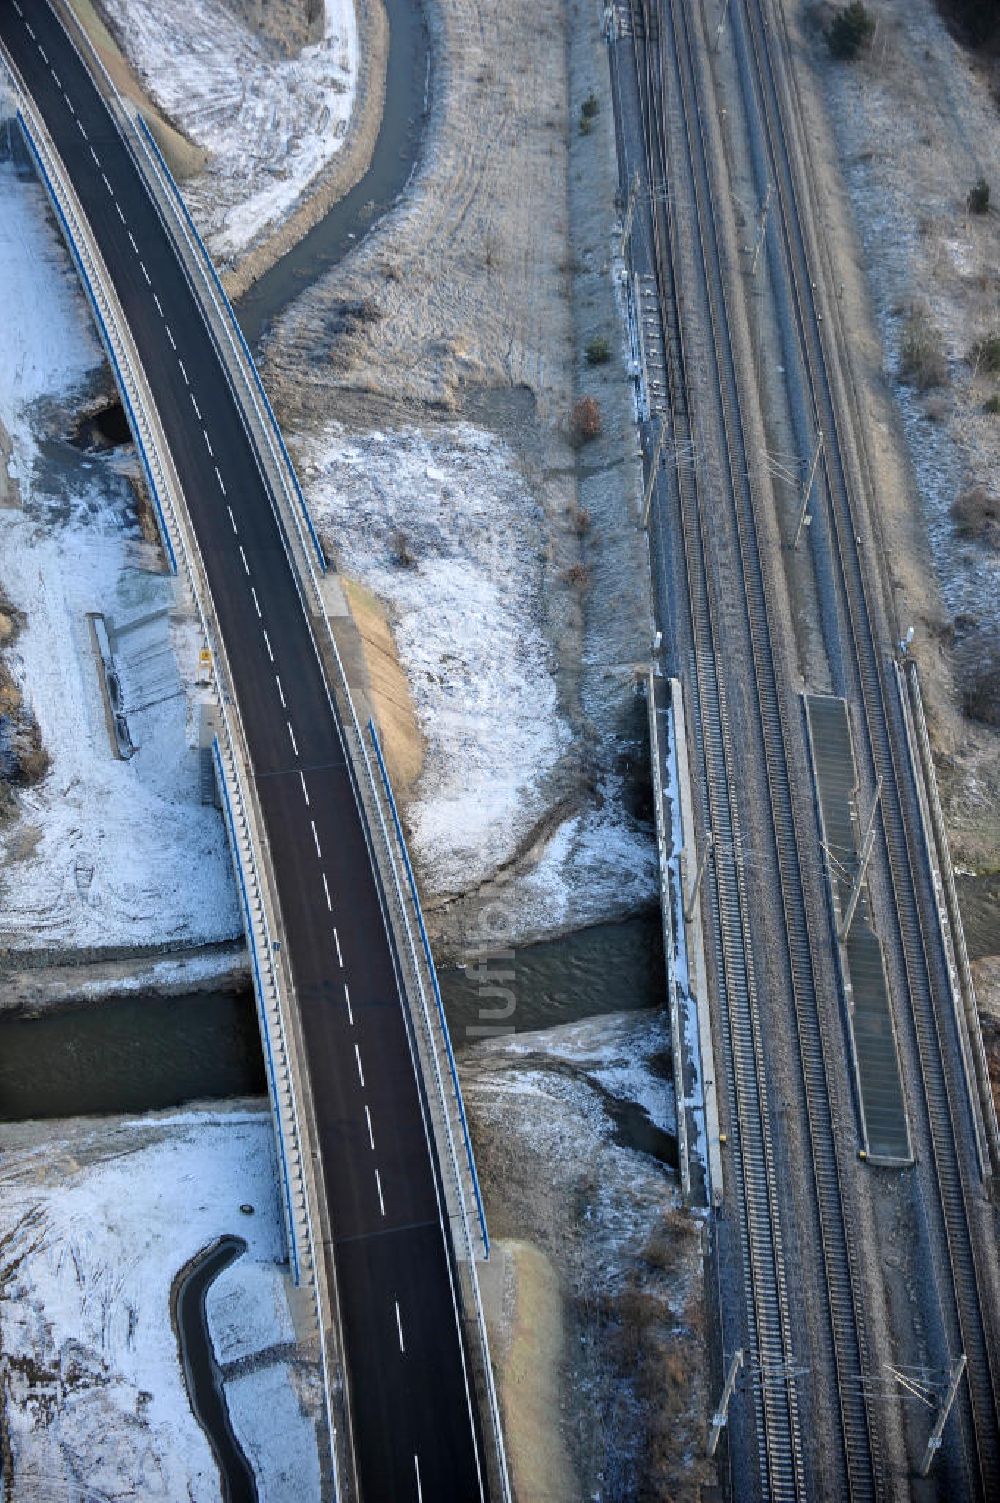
pixel 394 158
pixel 134 1054
pixel 202 1373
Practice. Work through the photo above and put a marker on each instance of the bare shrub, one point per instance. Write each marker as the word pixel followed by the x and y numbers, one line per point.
pixel 585 420
pixel 402 553
pixel 580 519
pixel 976 514
pixel 978 201
pixel 577 574
pixel 851 30
pixel 985 354
pixel 922 360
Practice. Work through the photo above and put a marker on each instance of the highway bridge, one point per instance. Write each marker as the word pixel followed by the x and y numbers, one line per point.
pixel 415 1427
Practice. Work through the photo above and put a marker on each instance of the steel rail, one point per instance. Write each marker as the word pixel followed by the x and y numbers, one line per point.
pixel 768 1319
pixel 864 1467
pixel 899 835
pixel 847 1331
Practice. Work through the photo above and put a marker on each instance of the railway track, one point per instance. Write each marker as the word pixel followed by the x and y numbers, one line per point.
pixel 946 1108
pixel 671 83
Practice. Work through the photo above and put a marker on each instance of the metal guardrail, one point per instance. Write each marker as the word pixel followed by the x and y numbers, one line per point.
pixel 182 549
pixel 432 969
pixel 238 364
pixel 150 140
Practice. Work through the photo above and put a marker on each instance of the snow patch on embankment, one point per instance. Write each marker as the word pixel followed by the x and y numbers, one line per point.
pixel 102 852
pixel 441 525
pixel 270 123
pixel 96 1221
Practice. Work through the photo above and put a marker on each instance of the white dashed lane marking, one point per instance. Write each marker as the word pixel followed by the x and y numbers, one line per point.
pixel 107 185
pixel 399 1326
pixel 246 566
pixel 281 692
pixel 145 273
pixel 170 337
pixel 208 444
pixel 267 639
pixel 361 1073
pixel 183 372
pixel 316 839
pixel 222 488
pixel 302 780
pixel 368 1119
pixel 291 737
pixel 347 999
pixel 131 239
pixel 378 1186
pixel 121 216
pixel 326 891
pixel 340 958
pixel 159 305
pixel 194 404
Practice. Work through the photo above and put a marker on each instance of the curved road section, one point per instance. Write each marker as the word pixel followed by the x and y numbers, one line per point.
pixel 416 1431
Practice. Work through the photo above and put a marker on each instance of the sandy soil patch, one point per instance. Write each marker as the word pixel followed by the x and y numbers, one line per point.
pixel 184 157
pixel 614 1267
pixel 533 1354
pixel 390 693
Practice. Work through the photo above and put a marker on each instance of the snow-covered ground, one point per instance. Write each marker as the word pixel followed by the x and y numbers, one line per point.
pixel 617 1057
pixel 97 1220
pixel 269 123
pixel 441 525
pixel 103 851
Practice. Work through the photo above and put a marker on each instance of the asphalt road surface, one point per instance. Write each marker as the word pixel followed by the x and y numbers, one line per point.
pixel 416 1431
